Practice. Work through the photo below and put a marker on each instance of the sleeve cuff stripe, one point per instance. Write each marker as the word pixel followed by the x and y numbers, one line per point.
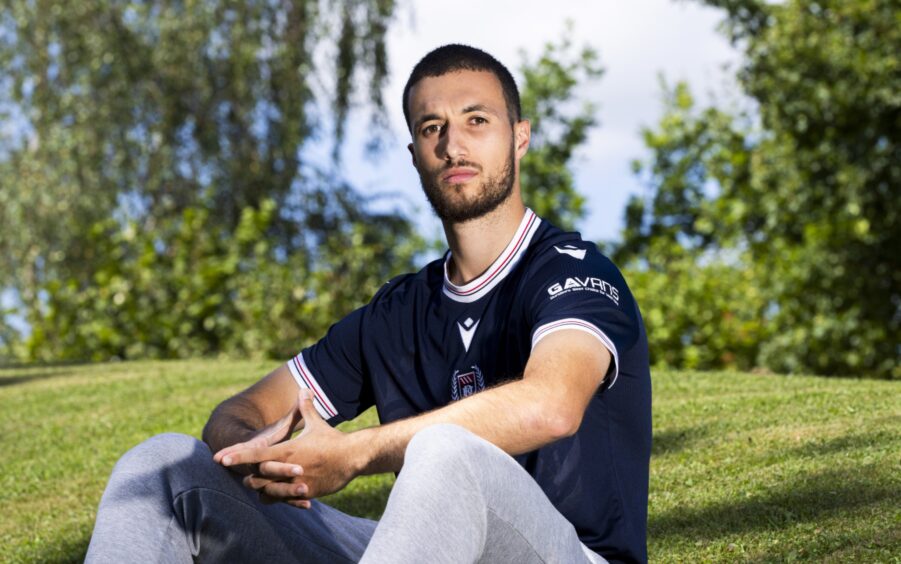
pixel 584 326
pixel 305 379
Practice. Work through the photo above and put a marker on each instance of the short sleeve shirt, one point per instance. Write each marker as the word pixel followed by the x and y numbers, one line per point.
pixel 423 342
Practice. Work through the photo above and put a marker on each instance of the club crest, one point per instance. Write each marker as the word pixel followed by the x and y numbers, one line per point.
pixel 466 383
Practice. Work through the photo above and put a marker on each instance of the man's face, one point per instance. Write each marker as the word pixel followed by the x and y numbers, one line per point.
pixel 463 144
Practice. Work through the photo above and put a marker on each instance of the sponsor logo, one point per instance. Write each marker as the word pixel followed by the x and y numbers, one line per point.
pixel 572 251
pixel 586 284
pixel 464 384
pixel 467 330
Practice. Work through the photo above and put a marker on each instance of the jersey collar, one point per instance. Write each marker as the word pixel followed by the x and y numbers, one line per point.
pixel 498 270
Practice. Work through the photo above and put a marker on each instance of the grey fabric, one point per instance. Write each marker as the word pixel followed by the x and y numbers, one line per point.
pixel 458 499
pixel 167 501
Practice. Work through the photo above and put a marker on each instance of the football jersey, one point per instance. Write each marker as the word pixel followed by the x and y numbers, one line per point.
pixel 423 342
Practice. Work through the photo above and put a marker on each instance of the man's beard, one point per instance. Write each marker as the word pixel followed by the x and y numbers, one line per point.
pixel 494 191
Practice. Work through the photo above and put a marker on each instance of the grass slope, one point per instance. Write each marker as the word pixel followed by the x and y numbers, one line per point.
pixel 745 467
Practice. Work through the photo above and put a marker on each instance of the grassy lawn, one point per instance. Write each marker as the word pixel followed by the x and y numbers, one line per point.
pixel 745 467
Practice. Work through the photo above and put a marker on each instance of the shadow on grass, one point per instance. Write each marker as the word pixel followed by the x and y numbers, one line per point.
pixel 68 552
pixel 845 442
pixel 675 440
pixel 25 378
pixel 46 364
pixel 867 546
pixel 807 499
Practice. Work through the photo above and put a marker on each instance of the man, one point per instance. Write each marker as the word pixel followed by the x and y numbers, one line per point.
pixel 511 379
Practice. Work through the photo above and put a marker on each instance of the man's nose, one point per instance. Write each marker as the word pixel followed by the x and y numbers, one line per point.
pixel 454 143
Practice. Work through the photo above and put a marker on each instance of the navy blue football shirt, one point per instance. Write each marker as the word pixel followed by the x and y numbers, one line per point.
pixel 423 342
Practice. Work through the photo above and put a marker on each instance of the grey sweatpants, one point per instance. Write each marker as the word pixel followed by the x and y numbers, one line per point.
pixel 458 499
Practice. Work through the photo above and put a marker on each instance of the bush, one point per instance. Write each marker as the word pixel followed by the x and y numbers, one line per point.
pixel 701 316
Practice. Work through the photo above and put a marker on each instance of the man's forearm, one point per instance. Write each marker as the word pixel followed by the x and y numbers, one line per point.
pixel 240 417
pixel 511 416
pixel 547 404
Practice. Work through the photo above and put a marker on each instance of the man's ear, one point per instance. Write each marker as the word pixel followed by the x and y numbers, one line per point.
pixel 412 152
pixel 522 134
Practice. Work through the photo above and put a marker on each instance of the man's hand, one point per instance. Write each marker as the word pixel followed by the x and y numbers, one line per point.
pixel 317 462
pixel 273 434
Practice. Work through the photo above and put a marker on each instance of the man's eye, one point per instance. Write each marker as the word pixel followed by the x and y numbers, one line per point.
pixel 478 120
pixel 431 129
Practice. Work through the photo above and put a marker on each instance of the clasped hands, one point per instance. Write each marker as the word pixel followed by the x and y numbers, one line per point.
pixel 294 471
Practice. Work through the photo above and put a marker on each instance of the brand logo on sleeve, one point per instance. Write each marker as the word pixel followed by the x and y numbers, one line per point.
pixel 464 384
pixel 586 284
pixel 572 251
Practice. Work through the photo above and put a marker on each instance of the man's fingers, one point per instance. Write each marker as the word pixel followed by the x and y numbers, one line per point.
pixel 271 471
pixel 307 409
pixel 217 458
pixel 255 482
pixel 285 490
pixel 248 455
pixel 235 448
pixel 276 469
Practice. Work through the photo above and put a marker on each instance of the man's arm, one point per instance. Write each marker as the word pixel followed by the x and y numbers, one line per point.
pixel 547 404
pixel 272 401
pixel 564 371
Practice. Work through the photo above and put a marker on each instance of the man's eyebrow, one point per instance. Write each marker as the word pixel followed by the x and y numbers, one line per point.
pixel 477 108
pixel 425 118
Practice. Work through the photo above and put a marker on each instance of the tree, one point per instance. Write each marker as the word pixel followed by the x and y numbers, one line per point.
pixel 548 94
pixel 809 196
pixel 691 151
pixel 173 122
pixel 698 289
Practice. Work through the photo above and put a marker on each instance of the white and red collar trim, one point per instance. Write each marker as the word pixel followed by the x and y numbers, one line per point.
pixel 502 266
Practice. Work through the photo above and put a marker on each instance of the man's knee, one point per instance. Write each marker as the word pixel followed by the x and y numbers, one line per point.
pixel 165 456
pixel 445 445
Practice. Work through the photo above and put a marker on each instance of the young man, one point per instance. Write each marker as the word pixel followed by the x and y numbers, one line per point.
pixel 510 377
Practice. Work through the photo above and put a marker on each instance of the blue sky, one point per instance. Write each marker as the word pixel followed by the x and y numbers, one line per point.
pixel 637 42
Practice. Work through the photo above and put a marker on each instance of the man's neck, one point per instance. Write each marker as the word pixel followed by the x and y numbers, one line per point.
pixel 477 243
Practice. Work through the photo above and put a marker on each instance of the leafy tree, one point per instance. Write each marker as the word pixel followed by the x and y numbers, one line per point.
pixel 698 291
pixel 691 151
pixel 807 195
pixel 548 97
pixel 147 132
pixel 192 288
pixel 148 108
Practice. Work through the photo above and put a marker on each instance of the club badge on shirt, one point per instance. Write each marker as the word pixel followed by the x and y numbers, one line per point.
pixel 464 384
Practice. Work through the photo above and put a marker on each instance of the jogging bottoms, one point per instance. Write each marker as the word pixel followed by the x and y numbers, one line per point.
pixel 458 499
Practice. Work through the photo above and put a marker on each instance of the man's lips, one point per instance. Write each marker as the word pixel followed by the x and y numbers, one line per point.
pixel 458 175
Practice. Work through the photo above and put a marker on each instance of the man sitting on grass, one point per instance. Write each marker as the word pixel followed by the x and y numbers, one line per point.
pixel 510 377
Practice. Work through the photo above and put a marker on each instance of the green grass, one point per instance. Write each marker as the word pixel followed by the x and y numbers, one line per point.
pixel 745 467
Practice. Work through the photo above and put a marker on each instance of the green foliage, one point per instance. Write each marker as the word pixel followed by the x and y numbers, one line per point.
pixel 744 467
pixel 805 199
pixel 154 197
pixel 702 301
pixel 824 183
pixel 548 96
pixel 701 316
pixel 690 150
pixel 190 287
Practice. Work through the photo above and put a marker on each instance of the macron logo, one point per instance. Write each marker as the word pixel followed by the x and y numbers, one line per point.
pixel 574 252
pixel 468 331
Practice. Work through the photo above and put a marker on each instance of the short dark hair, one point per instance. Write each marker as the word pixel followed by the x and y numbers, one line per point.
pixel 456 57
